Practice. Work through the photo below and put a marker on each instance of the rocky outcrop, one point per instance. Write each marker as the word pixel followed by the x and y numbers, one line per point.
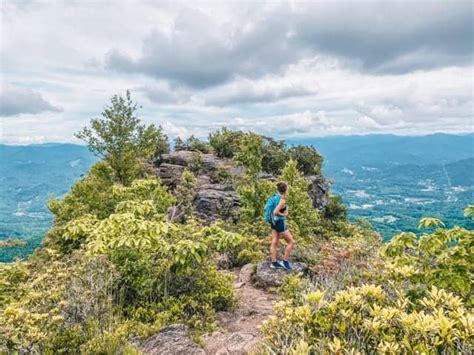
pixel 171 340
pixel 215 196
pixel 266 277
pixel 319 191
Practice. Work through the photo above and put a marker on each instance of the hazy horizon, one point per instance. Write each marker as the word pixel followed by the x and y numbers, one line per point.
pixel 80 143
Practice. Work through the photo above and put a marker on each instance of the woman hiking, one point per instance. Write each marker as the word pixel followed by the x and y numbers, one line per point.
pixel 276 212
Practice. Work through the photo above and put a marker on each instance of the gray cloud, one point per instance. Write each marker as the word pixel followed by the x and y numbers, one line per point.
pixel 314 68
pixel 378 37
pixel 391 36
pixel 163 94
pixel 199 52
pixel 252 95
pixel 17 101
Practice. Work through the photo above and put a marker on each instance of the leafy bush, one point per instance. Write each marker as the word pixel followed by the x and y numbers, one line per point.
pixel 402 309
pixel 335 209
pixel 443 258
pixel 239 249
pixel 194 144
pixel 90 195
pixel 250 154
pixel 369 319
pixel 131 266
pixel 274 156
pixel 185 192
pixel 301 210
pixel 225 142
pixel 308 159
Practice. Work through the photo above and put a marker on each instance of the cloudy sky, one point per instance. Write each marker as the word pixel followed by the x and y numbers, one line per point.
pixel 286 69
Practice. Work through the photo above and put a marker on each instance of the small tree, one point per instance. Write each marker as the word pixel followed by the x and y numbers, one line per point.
pixel 120 139
pixel 185 193
pixel 301 209
pixel 275 156
pixel 335 209
pixel 179 144
pixel 308 159
pixel 196 145
pixel 250 154
pixel 225 142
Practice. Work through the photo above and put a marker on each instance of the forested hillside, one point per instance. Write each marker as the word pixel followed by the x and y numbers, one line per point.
pixel 29 175
pixel 394 181
pixel 391 181
pixel 129 264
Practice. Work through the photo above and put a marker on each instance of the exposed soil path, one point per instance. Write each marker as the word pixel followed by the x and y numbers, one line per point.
pixel 239 331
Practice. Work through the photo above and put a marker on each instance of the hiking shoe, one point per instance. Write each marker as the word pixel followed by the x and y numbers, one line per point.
pixel 286 265
pixel 276 265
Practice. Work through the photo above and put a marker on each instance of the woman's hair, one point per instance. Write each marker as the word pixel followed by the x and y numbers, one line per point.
pixel 282 187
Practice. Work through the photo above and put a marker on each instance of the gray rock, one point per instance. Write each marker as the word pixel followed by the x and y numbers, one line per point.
pixel 171 340
pixel 169 173
pixel 239 344
pixel 266 277
pixel 246 273
pixel 180 157
pixel 214 199
pixel 319 191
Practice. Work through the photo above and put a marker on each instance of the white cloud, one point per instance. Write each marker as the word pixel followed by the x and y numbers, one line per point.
pixel 282 69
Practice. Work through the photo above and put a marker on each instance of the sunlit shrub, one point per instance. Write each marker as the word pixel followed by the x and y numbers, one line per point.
pixel 443 258
pixel 369 319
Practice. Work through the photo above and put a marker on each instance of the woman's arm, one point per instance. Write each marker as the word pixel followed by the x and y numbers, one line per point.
pixel 280 205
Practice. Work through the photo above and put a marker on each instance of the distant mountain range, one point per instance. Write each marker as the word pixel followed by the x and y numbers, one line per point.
pixel 386 149
pixel 29 175
pixel 394 180
pixel 390 180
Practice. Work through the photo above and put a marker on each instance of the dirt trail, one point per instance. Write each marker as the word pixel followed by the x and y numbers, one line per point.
pixel 239 331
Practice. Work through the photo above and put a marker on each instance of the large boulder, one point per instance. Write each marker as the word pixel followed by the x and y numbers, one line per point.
pixel 267 277
pixel 214 201
pixel 171 340
pixel 216 197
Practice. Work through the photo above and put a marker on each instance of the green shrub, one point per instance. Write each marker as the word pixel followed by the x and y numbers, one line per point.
pixel 274 156
pixel 335 209
pixel 300 205
pixel 369 319
pixel 196 145
pixel 309 160
pixel 442 258
pixel 225 142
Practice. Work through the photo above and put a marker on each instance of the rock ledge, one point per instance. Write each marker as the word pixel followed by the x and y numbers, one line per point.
pixel 266 277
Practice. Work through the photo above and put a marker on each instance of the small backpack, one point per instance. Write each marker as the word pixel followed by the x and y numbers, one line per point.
pixel 270 206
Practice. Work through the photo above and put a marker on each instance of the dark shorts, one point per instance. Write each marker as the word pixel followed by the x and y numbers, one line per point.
pixel 279 225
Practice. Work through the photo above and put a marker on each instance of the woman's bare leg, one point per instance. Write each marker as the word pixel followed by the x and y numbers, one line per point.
pixel 274 245
pixel 290 243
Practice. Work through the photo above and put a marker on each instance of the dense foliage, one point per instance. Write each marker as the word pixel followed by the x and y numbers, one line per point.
pixel 275 154
pixel 130 272
pixel 418 300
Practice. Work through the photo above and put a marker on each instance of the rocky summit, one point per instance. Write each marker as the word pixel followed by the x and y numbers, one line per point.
pixel 215 196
